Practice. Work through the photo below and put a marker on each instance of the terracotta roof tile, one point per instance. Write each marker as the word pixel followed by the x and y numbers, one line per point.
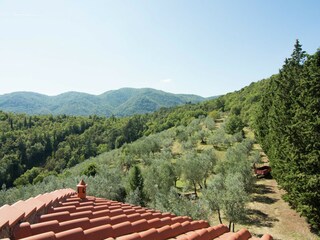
pixel 24 230
pixel 266 237
pixel 100 232
pixel 149 234
pixel 165 231
pixel 134 217
pixel 71 203
pixel 140 225
pixel 205 233
pixel 45 227
pixel 43 236
pixel 36 202
pixel 243 234
pixel 26 207
pixel 46 198
pixel 101 213
pixel 154 223
pixel 4 222
pixel 132 236
pixel 81 214
pixel 99 221
pixel 84 223
pixel 225 236
pixel 218 230
pixel 75 233
pixel 70 208
pixel 62 215
pixel 10 215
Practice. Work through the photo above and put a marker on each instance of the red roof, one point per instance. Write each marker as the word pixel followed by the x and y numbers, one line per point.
pixel 62 215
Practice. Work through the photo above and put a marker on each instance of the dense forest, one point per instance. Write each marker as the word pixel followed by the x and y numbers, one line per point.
pixel 193 159
pixel 33 147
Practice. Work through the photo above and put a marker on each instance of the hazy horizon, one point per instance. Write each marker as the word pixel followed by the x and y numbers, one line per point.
pixel 97 94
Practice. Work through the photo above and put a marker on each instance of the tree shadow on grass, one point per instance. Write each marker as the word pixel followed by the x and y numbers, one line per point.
pixel 262 189
pixel 264 199
pixel 258 218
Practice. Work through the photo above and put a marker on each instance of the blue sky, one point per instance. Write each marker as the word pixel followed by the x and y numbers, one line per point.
pixel 202 47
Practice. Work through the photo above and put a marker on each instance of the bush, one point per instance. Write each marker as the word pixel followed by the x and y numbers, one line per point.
pixel 91 170
pixel 234 124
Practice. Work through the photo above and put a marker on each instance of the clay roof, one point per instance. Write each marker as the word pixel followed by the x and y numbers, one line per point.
pixel 62 215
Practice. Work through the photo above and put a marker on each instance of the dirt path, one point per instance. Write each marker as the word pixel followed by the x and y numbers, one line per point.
pixel 268 213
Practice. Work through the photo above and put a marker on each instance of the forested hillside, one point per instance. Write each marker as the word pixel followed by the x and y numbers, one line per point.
pixel 122 102
pixel 33 147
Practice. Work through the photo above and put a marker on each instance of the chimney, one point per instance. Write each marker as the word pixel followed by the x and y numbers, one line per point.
pixel 82 189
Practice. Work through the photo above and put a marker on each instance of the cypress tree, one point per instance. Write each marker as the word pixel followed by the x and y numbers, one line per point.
pixel 136 183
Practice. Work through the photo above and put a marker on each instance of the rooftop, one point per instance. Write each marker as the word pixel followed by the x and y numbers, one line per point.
pixel 63 215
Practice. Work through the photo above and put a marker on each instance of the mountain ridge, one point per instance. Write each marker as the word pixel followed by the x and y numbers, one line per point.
pixel 121 102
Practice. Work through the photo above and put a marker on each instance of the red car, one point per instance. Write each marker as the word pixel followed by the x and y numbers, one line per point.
pixel 261 171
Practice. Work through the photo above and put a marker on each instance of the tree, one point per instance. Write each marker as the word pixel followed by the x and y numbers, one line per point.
pixel 28 176
pixel 202 135
pixel 179 205
pixel 160 177
pixel 219 139
pixel 298 56
pixel 192 170
pixel 133 129
pixel 215 114
pixel 10 169
pixel 234 199
pixel 209 123
pixel 134 197
pixel 214 195
pixel 207 161
pixel 234 124
pixel 91 170
pixel 135 182
pixel 227 194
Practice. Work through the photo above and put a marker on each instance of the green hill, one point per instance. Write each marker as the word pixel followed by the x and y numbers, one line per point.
pixel 122 102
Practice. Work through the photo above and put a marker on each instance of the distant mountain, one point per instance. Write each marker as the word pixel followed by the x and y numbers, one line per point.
pixel 122 102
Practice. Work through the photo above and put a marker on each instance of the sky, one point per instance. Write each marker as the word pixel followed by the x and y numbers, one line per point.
pixel 207 48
